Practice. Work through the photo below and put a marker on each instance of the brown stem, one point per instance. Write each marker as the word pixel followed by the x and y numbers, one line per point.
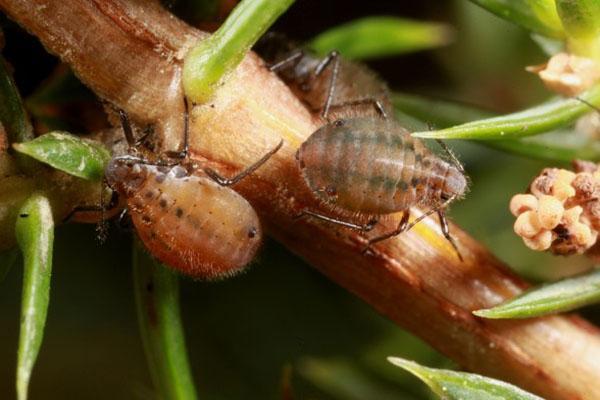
pixel 130 53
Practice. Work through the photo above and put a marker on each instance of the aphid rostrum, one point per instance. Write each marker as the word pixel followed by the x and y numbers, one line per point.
pixel 187 216
pixel 365 165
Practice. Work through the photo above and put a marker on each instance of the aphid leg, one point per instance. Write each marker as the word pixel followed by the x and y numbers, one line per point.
pixel 376 104
pixel 181 154
pixel 426 214
pixel 101 208
pixel 292 60
pixel 214 175
pixel 452 156
pixel 446 232
pixel 333 59
pixel 402 226
pixel 127 130
pixel 364 228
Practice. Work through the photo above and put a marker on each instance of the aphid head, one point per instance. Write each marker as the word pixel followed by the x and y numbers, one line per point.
pixel 455 183
pixel 125 174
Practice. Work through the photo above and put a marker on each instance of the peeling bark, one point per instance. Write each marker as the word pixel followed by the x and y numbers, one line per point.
pixel 130 53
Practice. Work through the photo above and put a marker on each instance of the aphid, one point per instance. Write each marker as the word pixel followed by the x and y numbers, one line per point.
pixel 327 85
pixel 373 167
pixel 187 217
pixel 363 164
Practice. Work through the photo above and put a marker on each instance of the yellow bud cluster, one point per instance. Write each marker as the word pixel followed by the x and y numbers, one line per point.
pixel 561 212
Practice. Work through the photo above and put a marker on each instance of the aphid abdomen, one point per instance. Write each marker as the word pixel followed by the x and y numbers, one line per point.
pixel 369 165
pixel 195 225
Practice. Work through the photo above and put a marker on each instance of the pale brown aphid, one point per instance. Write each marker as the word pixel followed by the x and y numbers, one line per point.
pixel 187 216
pixel 373 167
pixel 363 165
pixel 188 222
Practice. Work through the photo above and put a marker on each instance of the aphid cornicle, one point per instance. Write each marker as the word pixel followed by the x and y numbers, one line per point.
pixel 186 216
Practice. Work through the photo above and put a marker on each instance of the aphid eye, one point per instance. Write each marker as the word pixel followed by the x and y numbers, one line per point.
pixel 338 122
pixel 252 233
pixel 331 190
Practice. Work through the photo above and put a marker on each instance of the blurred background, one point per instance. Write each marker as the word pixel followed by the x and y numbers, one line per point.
pixel 280 318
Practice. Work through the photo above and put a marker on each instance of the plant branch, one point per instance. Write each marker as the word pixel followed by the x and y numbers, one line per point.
pixel 130 54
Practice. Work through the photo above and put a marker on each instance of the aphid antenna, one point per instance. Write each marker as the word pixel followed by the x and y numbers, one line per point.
pixel 452 156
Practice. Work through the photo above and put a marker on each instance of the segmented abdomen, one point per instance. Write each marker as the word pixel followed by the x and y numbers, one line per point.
pixel 370 165
pixel 195 225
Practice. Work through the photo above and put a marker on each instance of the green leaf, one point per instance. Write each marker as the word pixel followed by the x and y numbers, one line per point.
pixel 564 295
pixel 157 300
pixel 12 113
pixel 343 379
pixel 381 36
pixel 7 260
pixel 35 236
pixel 581 20
pixel 543 118
pixel 79 157
pixel 437 112
pixel 452 385
pixel 535 15
pixel 209 62
pixel 555 146
pixel 560 145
